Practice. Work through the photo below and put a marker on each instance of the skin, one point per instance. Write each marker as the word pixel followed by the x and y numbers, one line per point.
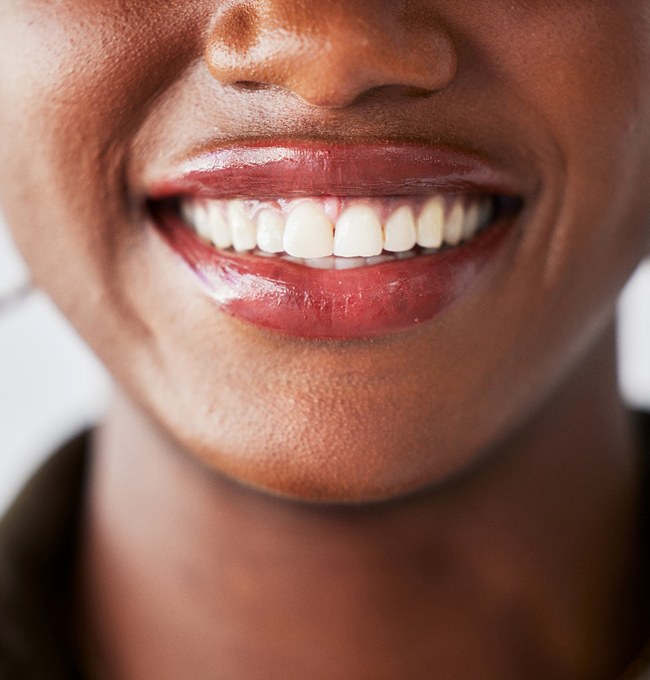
pixel 480 450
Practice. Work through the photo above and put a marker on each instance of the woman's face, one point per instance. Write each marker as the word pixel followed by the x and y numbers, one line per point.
pixel 106 106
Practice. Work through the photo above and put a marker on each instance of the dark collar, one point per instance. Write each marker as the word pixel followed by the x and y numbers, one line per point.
pixel 37 546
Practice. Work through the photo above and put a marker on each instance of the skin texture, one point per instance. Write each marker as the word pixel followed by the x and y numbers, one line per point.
pixel 98 99
pixel 109 116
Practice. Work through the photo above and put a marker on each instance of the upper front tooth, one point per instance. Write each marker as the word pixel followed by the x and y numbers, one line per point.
pixel 308 233
pixel 270 231
pixel 242 228
pixel 401 232
pixel 454 224
pixel 431 223
pixel 358 233
pixel 218 231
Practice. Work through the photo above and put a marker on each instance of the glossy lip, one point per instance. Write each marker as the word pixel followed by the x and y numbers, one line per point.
pixel 267 170
pixel 277 294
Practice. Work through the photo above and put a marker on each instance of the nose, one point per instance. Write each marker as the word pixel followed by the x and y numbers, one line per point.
pixel 331 52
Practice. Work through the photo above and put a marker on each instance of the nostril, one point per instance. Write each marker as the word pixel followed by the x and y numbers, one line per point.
pixel 401 92
pixel 250 85
pixel 418 92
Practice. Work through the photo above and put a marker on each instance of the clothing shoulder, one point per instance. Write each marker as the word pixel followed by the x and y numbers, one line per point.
pixel 37 539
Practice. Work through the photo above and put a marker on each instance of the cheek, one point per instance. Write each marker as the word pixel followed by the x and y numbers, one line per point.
pixel 76 80
pixel 592 89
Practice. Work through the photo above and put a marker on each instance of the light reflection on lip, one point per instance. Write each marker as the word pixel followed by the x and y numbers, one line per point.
pixel 315 169
pixel 280 295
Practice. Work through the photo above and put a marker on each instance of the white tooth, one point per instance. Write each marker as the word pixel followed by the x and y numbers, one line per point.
pixel 199 216
pixel 349 262
pixel 401 231
pixel 321 263
pixel 241 226
pixel 358 233
pixel 188 208
pixel 308 233
pixel 380 259
pixel 454 224
pixel 472 220
pixel 219 233
pixel 270 231
pixel 431 223
pixel 294 260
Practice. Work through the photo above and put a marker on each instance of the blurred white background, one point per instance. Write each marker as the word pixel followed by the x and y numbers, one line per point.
pixel 51 386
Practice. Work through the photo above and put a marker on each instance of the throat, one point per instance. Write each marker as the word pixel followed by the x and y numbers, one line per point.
pixel 186 574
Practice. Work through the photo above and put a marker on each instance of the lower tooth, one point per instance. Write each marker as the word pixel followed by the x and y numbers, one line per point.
pixel 349 262
pixel 321 263
pixel 380 259
pixel 295 260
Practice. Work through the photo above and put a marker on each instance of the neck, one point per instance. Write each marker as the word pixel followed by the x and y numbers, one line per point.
pixel 523 568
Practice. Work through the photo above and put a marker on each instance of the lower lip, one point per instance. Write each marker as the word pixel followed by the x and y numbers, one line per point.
pixel 279 295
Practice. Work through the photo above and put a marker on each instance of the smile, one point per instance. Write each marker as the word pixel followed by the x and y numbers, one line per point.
pixel 338 233
pixel 361 242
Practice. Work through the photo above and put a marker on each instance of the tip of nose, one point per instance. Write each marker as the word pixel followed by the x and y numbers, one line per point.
pixel 237 27
pixel 326 70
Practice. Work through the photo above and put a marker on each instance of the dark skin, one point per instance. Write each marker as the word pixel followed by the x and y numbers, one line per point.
pixel 526 568
pixel 492 471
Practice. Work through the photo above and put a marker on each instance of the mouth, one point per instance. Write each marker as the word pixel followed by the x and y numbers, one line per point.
pixel 335 242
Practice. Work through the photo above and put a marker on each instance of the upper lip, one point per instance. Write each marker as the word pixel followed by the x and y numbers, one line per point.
pixel 267 169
